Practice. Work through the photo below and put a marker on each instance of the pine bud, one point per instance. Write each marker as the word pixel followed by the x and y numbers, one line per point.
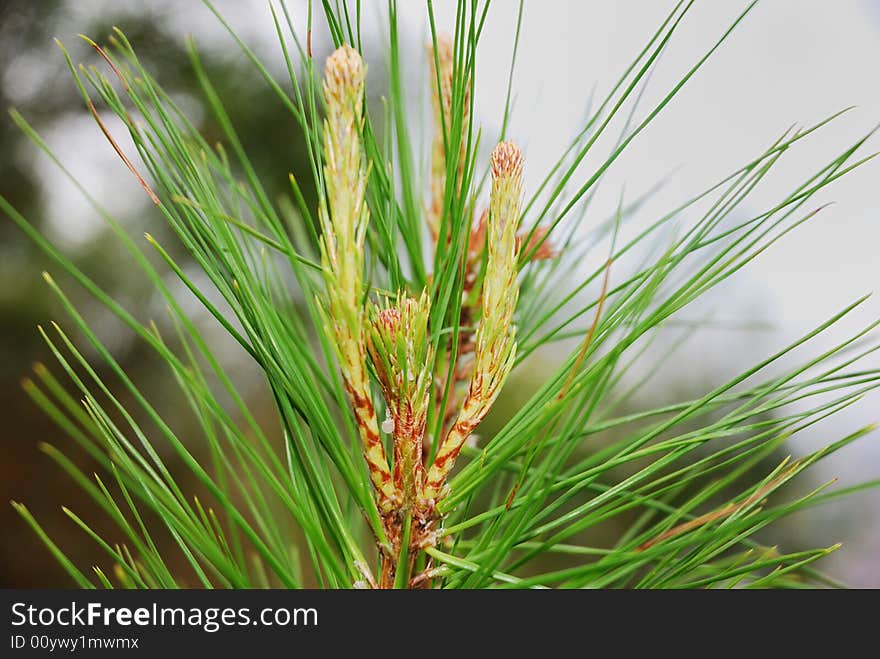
pixel 344 74
pixel 344 216
pixel 495 345
pixel 402 356
pixel 444 123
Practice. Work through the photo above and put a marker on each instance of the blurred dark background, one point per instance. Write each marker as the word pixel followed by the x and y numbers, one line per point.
pixel 35 80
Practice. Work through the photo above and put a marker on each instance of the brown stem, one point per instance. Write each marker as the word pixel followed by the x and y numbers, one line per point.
pixel 719 513
pixel 421 535
pixel 386 578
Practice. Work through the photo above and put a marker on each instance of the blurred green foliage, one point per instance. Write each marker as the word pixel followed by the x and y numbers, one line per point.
pixel 49 103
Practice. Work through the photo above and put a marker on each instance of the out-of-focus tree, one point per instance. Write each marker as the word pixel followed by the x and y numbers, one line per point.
pixel 35 81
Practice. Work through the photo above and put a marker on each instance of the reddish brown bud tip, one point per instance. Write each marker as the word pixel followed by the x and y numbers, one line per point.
pixel 390 319
pixel 507 161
